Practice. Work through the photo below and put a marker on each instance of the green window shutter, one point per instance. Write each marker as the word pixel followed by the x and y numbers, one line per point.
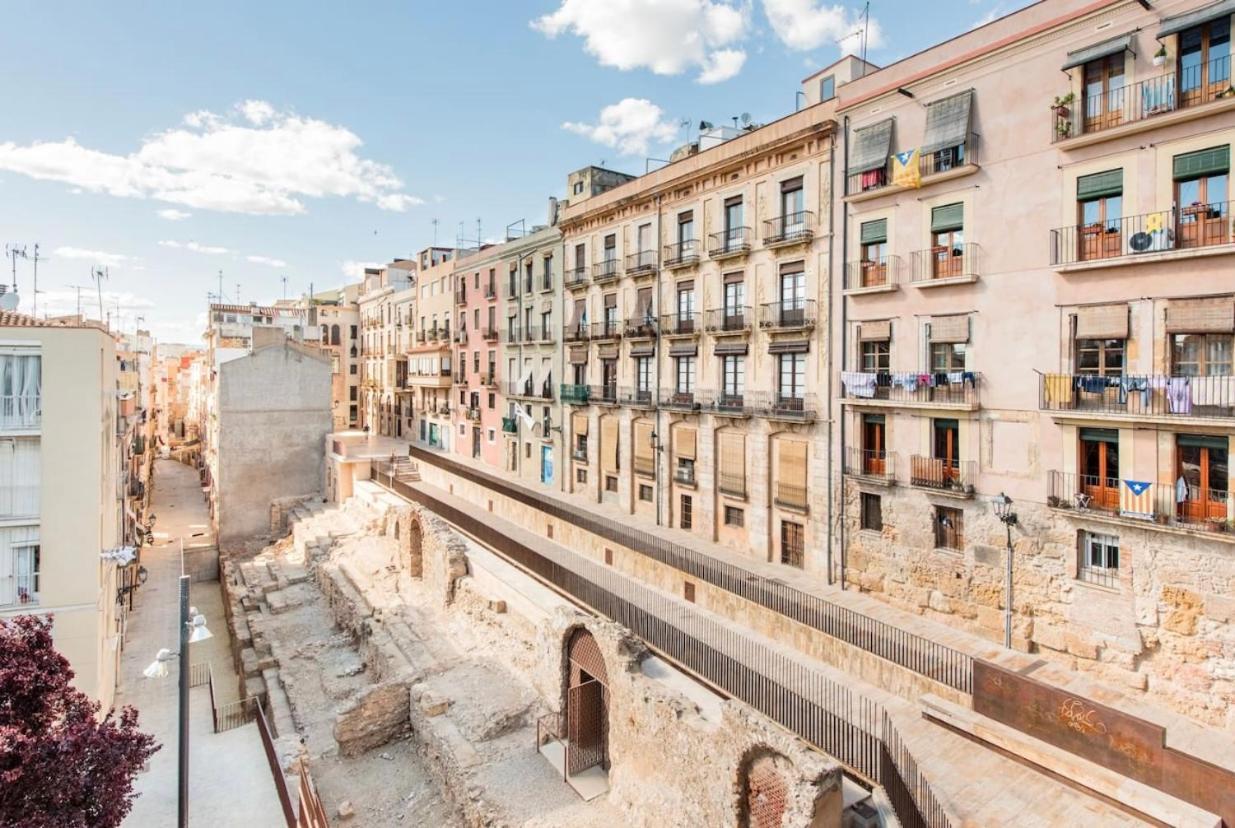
pixel 948 217
pixel 1212 161
pixel 875 232
pixel 1100 185
pixel 1203 441
pixel 1100 435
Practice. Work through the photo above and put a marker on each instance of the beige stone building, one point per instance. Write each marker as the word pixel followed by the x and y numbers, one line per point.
pixel 385 306
pixel 338 316
pixel 695 352
pixel 428 355
pixel 1038 301
pixel 64 420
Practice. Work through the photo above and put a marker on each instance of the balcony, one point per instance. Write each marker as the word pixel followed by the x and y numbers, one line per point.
pixel 788 315
pixel 20 413
pixel 683 401
pixel 684 476
pixel 733 485
pixel 941 265
pixel 574 394
pixel 490 291
pixel 490 378
pixel 530 390
pixel 790 408
pixel 1200 509
pixel 870 465
pixel 460 377
pixel 605 271
pixel 575 278
pixel 878 275
pixel 509 425
pixel 955 477
pixel 473 414
pixel 913 389
pixel 793 228
pixel 724 404
pixel 637 397
pixel 640 327
pixel 490 334
pixel 1139 396
pixel 513 336
pixel 682 254
pixel 602 394
pixel 729 243
pixel 606 331
pixel 1164 100
pixel 791 496
pixel 461 297
pixel 728 321
pixel 1195 230
pixel 461 336
pixel 680 324
pixel 579 332
pixel 949 162
pixel 579 454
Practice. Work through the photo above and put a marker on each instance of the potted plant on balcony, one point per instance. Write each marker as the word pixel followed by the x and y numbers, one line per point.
pixel 1062 104
pixel 1229 92
pixel 1063 128
pixel 1160 55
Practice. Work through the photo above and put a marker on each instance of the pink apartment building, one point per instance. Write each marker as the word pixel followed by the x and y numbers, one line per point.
pixel 477 413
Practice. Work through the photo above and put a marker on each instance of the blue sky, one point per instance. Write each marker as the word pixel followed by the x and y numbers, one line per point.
pixel 171 141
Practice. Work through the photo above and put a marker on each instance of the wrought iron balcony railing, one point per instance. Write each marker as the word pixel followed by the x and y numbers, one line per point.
pixel 881 272
pixel 640 327
pixel 490 334
pixel 931 163
pixel 575 277
pixel 680 324
pixel 951 388
pixel 606 270
pixel 1139 395
pixel 732 242
pixel 603 394
pixel 675 400
pixel 788 314
pixel 728 320
pixel 1178 504
pixel 637 397
pixel 678 254
pixel 789 229
pixel 578 332
pixel 869 463
pixel 642 263
pixel 606 330
pixel 957 476
pixel 942 262
pixel 574 394
pixel 1191 227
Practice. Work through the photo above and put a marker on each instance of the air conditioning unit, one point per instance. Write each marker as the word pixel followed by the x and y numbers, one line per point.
pixel 1156 241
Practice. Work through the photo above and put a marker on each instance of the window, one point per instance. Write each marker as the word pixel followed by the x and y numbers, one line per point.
pixel 1203 468
pixel 874 445
pixel 608 373
pixel 352 332
pixel 734 373
pixel 685 375
pixel 792 206
pixel 1099 468
pixel 792 543
pixel 644 237
pixel 1099 204
pixel 792 294
pixel 1201 182
pixel 686 470
pixel 735 298
pixel 873 254
pixel 645 493
pixel 946 452
pixel 578 188
pixel 611 484
pixel 1204 61
pixel 686 232
pixel 872 512
pixel 352 391
pixel 1104 92
pixel 580 475
pixel 876 355
pixel 791 377
pixel 685 516
pixel 1201 355
pixel 949 528
pixel 643 375
pixel 1099 563
pixel 827 88
pixel 1100 357
pixel 947 356
pixel 492 401
pixel 685 305
pixel 20 584
pixel 733 222
pixel 735 517
pixel 610 248
pixel 947 241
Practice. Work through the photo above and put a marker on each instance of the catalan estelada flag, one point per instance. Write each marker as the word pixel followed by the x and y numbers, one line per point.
pixel 1136 499
pixel 905 171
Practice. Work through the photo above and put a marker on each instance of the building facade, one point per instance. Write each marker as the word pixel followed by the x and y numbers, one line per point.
pixel 1038 303
pixel 338 316
pixel 385 304
pixel 428 357
pixel 476 414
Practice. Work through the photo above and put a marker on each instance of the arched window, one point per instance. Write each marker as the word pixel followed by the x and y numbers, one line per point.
pixel 334 334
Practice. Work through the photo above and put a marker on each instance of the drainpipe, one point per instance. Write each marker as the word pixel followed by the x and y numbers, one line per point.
pixel 844 346
pixel 658 441
pixel 829 339
pixel 567 442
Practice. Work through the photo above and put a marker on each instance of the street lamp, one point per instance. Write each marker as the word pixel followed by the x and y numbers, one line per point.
pixel 1003 510
pixel 192 629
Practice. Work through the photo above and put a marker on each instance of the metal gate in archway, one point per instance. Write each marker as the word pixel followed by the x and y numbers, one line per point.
pixel 587 705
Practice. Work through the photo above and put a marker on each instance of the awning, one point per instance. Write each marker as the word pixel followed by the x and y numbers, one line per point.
pixel 950 328
pixel 686 349
pixel 871 146
pixel 730 349
pixel 1100 185
pixel 875 330
pixel 578 356
pixel 1102 322
pixel 643 349
pixel 1174 25
pixel 578 423
pixel 1200 316
pixel 793 346
pixel 947 122
pixel 608 351
pixel 1099 50
pixel 947 218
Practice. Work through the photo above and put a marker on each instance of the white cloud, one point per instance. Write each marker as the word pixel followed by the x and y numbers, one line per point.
pixel 355 270
pixel 668 37
pixel 64 303
pixel 630 126
pixel 810 24
pixel 172 214
pixel 100 257
pixel 266 260
pixel 256 160
pixel 210 250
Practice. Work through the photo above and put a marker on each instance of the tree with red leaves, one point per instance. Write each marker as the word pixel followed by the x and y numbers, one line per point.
pixel 60 765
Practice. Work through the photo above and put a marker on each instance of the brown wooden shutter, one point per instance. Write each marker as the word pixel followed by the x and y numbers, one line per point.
pixel 1102 322
pixel 950 328
pixel 609 444
pixel 643 440
pixel 733 461
pixel 792 470
pixel 579 424
pixel 1201 316
pixel 875 331
pixel 686 443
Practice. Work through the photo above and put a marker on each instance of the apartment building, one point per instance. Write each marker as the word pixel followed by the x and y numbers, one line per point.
pixel 338 316
pixel 477 413
pixel 428 355
pixel 532 356
pixel 385 303
pixel 695 345
pixel 1038 303
pixel 66 425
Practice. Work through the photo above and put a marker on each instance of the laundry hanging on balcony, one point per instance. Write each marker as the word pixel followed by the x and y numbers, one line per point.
pixel 858 384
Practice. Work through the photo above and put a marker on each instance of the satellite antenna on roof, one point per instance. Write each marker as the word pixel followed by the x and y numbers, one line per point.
pixel 745 116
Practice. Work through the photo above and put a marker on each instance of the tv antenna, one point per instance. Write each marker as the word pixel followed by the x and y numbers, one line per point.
pixel 284 280
pixel 863 32
pixel 98 275
pixel 13 253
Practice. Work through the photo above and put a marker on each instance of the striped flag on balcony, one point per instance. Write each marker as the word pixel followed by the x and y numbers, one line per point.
pixel 1136 500
pixel 905 169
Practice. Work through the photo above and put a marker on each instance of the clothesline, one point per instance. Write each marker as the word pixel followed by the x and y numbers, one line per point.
pixel 864 383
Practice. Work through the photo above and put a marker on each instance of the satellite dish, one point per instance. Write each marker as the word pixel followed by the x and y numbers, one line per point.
pixel 705 125
pixel 745 116
pixel 8 301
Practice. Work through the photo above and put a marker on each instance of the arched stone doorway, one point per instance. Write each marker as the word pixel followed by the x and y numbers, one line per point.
pixel 763 790
pixel 587 704
pixel 413 547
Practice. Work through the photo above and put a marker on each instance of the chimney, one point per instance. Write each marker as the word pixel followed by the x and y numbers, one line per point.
pixel 553 210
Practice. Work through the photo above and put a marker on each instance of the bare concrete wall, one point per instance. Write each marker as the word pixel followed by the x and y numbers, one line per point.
pixel 274 414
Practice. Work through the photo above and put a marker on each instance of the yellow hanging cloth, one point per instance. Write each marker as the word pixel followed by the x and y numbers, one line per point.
pixel 905 169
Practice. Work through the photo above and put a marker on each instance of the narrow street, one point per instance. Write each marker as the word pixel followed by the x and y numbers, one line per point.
pixel 229 779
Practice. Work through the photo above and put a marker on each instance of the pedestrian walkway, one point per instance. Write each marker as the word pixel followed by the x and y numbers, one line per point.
pixel 229 779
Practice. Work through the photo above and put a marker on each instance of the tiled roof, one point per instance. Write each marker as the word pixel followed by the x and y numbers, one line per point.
pixel 12 319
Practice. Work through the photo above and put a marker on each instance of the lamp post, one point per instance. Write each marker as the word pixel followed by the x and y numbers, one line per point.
pixel 1003 510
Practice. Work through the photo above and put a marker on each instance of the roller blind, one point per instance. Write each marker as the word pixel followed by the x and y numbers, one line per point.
pixel 871 146
pixel 609 444
pixel 732 461
pixel 949 329
pixel 874 331
pixel 1102 322
pixel 1212 161
pixel 643 304
pixel 1100 185
pixel 947 218
pixel 579 424
pixel 1205 316
pixel 1176 24
pixel 686 443
pixel 578 356
pixel 793 463
pixel 1099 50
pixel 947 122
pixel 874 232
pixel 643 440
pixel 791 346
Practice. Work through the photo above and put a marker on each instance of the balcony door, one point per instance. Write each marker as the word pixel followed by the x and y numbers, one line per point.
pixel 735 303
pixel 1104 92
pixel 1203 472
pixel 793 207
pixel 1204 61
pixel 1201 192
pixel 792 296
pixel 946 447
pixel 1099 467
pixel 874 444
pixel 733 223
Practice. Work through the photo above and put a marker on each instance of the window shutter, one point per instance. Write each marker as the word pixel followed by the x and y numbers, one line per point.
pixel 686 443
pixel 1098 51
pixel 611 300
pixel 578 356
pixel 1212 161
pixel 791 184
pixel 1203 316
pixel 874 232
pixel 950 328
pixel 733 462
pixel 609 444
pixel 643 440
pixel 947 218
pixel 875 331
pixel 644 304
pixel 793 463
pixel 871 146
pixel 579 424
pixel 1102 322
pixel 947 122
pixel 1100 185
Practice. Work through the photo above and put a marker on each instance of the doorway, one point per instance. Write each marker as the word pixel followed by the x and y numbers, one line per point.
pixel 587 705
pixel 546 464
